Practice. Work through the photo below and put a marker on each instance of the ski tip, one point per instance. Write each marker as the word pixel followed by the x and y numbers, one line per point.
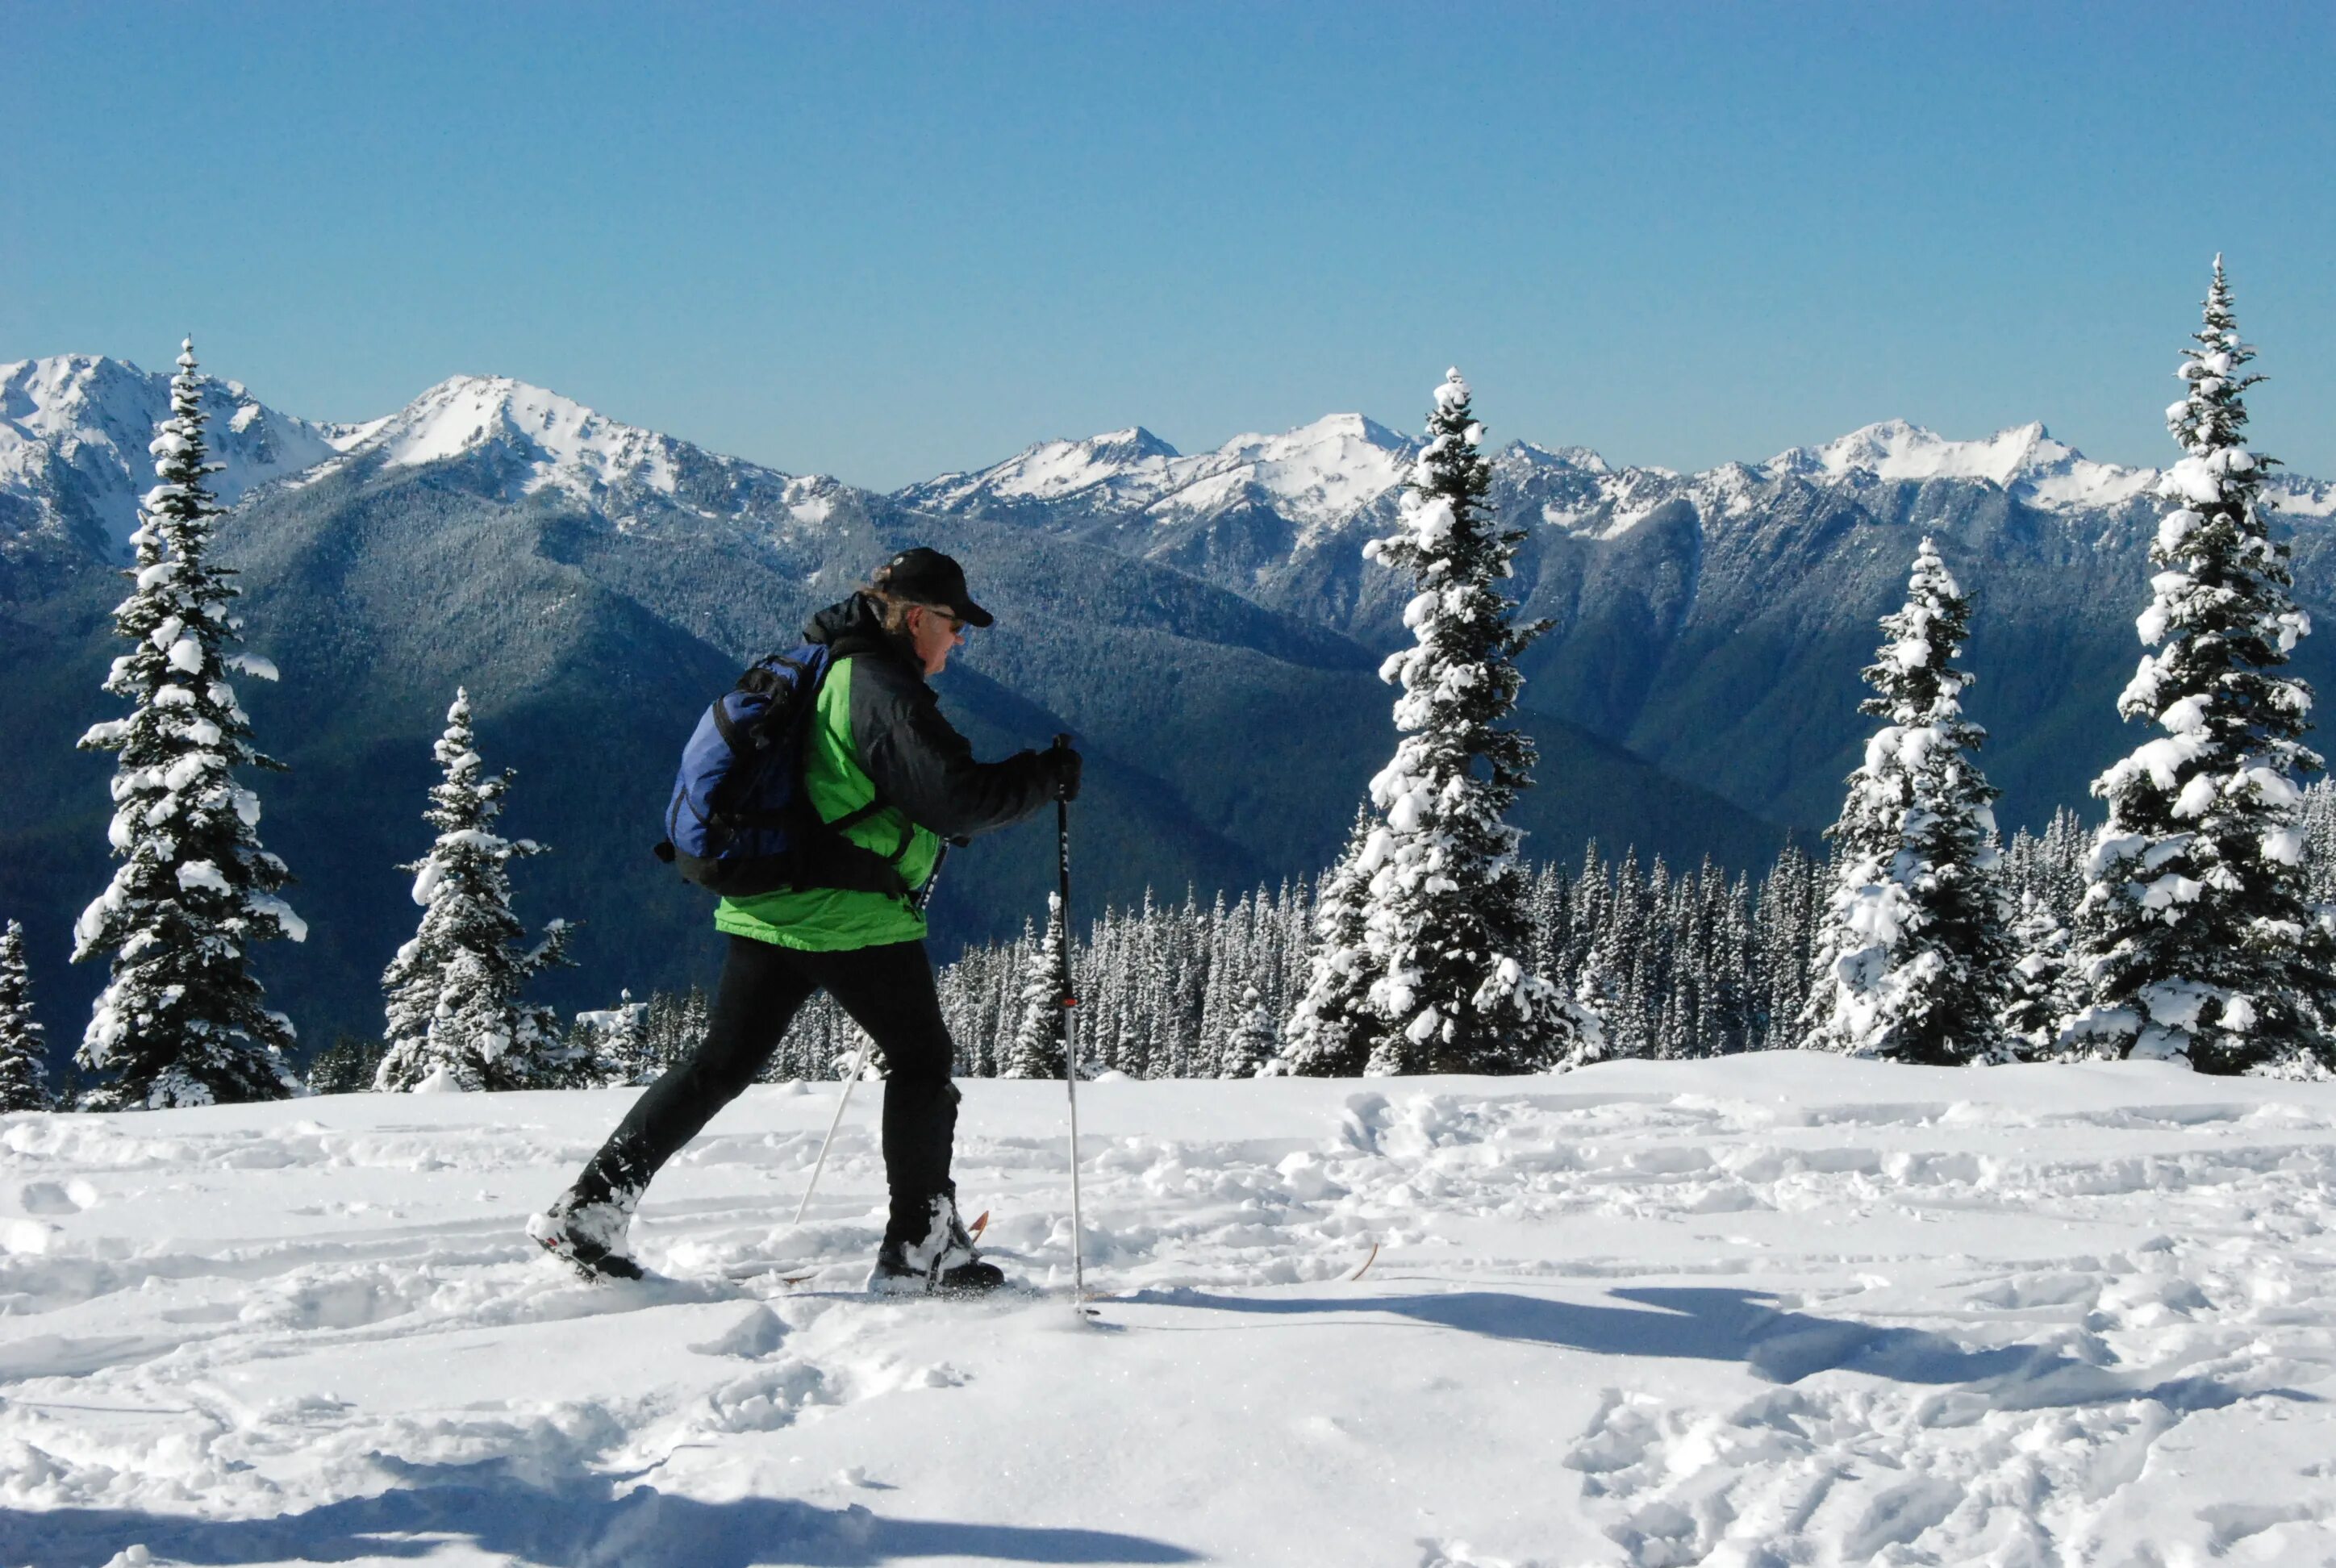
pixel 978 1225
pixel 1366 1264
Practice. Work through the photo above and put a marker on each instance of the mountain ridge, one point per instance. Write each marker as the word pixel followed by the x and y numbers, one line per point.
pixel 592 585
pixel 54 409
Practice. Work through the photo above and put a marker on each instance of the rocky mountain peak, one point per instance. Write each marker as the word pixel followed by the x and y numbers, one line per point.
pixel 561 442
pixel 2024 459
pixel 74 430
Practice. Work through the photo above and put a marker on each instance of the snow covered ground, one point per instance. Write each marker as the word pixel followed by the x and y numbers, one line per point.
pixel 1765 1311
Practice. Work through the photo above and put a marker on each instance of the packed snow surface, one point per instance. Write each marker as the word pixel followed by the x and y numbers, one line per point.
pixel 1778 1310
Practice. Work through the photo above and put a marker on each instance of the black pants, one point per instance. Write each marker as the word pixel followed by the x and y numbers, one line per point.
pixel 887 990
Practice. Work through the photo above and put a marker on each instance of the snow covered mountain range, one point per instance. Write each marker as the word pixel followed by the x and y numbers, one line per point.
pixel 73 429
pixel 1206 623
pixel 1323 473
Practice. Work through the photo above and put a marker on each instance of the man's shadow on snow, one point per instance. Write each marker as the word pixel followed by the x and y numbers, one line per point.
pixel 1720 1324
pixel 578 1525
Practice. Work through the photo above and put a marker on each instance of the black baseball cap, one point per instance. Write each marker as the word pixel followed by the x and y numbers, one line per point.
pixel 923 576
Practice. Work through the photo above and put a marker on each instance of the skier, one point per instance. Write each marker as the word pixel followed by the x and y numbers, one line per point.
pixel 877 734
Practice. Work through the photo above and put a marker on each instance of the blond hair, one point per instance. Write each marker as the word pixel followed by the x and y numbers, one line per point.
pixel 892 610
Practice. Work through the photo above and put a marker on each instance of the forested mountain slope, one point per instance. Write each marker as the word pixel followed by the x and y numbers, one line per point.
pixel 1715 622
pixel 593 586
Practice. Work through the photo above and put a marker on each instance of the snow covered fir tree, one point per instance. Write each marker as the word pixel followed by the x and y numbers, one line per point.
pixel 1913 961
pixel 2198 938
pixel 2044 985
pixel 611 1045
pixel 182 1021
pixel 1250 1044
pixel 1038 1048
pixel 1328 1033
pixel 456 1019
pixel 24 1045
pixel 1445 920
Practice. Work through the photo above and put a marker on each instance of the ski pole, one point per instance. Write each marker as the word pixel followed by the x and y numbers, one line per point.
pixel 1070 1046
pixel 859 1065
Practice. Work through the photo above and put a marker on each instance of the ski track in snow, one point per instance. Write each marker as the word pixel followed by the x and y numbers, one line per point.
pixel 1763 1312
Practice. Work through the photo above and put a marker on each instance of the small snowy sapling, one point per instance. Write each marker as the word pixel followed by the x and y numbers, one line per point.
pixel 455 1020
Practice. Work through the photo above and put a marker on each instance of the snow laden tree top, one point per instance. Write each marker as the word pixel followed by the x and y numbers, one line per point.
pixel 182 1021
pixel 456 1019
pixel 24 1050
pixel 1913 961
pixel 1445 921
pixel 2196 936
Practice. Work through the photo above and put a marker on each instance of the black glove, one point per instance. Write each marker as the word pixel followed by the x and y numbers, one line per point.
pixel 1061 766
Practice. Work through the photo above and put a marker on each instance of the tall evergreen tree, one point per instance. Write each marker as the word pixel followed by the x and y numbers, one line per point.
pixel 23 1053
pixel 1328 1033
pixel 1446 918
pixel 2197 938
pixel 1912 961
pixel 182 1021
pixel 1039 1036
pixel 456 1019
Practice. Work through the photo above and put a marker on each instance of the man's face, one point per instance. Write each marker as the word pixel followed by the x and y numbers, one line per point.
pixel 934 634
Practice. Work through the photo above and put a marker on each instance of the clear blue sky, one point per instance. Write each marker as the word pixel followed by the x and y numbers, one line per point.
pixel 887 241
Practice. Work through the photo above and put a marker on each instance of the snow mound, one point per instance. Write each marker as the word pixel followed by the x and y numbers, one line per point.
pixel 1768 1309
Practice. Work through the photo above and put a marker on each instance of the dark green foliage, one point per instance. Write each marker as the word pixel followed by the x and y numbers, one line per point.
pixel 346 1067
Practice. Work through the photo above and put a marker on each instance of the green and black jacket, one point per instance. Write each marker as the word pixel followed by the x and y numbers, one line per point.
pixel 878 728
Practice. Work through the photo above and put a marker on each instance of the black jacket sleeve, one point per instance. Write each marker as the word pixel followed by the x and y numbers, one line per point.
pixel 925 767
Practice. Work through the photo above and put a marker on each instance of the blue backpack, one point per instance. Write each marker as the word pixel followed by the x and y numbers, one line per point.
pixel 740 821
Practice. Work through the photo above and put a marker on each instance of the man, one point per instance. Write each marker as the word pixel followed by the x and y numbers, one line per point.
pixel 877 737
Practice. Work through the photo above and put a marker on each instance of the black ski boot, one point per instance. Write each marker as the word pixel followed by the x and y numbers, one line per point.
pixel 589 1236
pixel 943 1263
